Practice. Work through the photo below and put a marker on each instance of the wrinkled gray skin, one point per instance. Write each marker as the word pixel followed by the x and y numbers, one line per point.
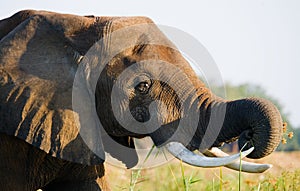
pixel 40 145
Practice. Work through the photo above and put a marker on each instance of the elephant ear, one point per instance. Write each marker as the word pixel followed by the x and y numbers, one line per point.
pixel 39 56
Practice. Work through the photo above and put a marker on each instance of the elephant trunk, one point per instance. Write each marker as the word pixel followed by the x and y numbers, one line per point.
pixel 254 121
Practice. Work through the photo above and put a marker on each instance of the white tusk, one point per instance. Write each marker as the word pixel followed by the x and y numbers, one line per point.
pixel 187 156
pixel 246 166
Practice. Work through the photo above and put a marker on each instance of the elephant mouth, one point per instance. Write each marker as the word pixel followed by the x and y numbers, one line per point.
pixel 215 157
pixel 140 113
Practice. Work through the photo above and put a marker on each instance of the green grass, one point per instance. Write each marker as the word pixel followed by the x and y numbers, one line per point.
pixel 177 177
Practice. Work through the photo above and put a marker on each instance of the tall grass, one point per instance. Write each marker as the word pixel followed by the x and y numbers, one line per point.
pixel 188 181
pixel 240 171
pixel 135 174
pixel 177 176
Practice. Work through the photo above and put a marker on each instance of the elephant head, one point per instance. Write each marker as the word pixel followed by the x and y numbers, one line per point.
pixel 153 91
pixel 75 86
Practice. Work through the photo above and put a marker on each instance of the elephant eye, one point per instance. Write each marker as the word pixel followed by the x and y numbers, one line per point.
pixel 143 87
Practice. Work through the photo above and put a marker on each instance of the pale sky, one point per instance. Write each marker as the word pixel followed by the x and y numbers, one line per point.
pixel 255 41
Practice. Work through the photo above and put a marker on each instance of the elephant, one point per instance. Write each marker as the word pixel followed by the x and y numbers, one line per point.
pixel 74 87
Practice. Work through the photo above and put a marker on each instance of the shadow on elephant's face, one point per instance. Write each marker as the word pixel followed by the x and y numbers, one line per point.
pixel 140 95
pixel 153 98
